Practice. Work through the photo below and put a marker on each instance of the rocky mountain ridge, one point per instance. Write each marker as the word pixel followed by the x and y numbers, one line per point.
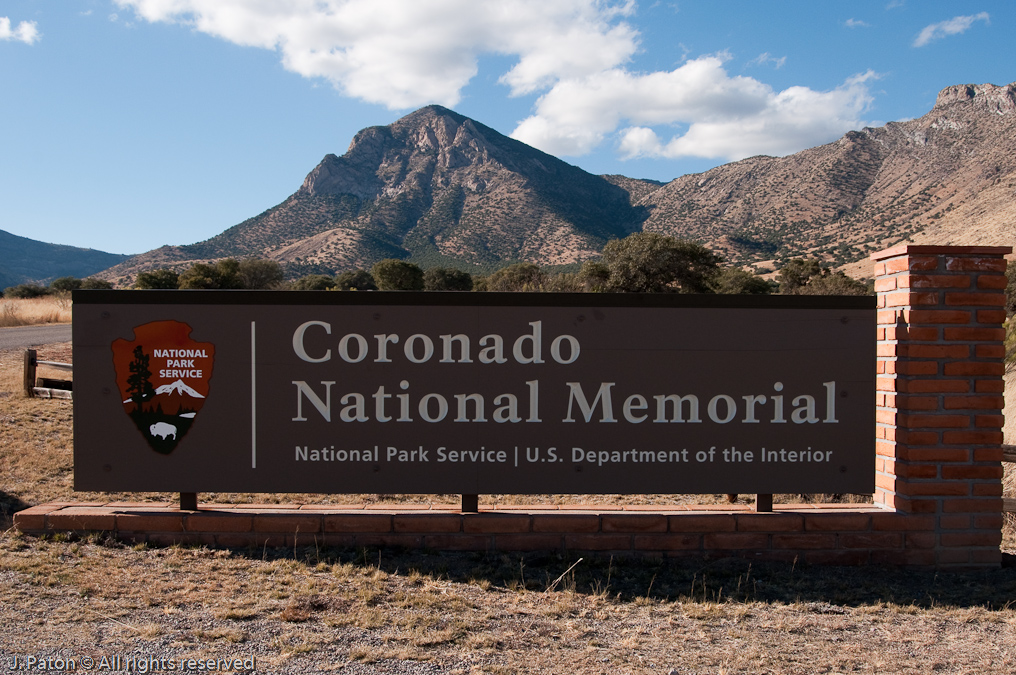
pixel 439 188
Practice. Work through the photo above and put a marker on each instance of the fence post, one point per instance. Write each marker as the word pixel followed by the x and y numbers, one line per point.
pixel 939 397
pixel 31 363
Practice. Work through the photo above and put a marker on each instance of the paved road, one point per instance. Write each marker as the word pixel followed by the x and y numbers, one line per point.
pixel 31 336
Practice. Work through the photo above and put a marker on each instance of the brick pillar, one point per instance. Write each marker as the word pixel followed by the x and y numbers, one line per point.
pixel 939 399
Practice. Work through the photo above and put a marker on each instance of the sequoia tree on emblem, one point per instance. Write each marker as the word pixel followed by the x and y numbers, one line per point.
pixel 163 376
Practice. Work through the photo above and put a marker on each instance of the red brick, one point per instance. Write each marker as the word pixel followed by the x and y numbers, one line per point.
pixel 935 281
pixel 954 522
pixel 934 489
pixel 924 504
pixel 883 284
pixel 735 541
pixel 935 351
pixel 598 542
pixel 969 333
pixel 371 540
pixel 992 521
pixel 804 541
pixel 974 437
pixel 338 540
pixel 936 316
pixel 989 351
pixel 917 470
pixel 952 556
pixel 905 298
pixel 901 264
pixel 912 333
pixel 872 540
pixel 922 558
pixel 357 522
pixel 995 316
pixel 500 523
pixel 987 489
pixel 920 539
pixel 879 269
pixel 458 542
pixel 985 505
pixel 954 539
pixel 973 368
pixel 149 522
pixel 885 482
pixel 566 522
pixel 668 542
pixel 939 455
pixel 633 523
pixel 833 522
pixel 173 538
pixel 840 557
pixel 887 317
pixel 988 454
pixel 770 522
pixel 212 521
pixel 935 421
pixel 901 521
pixel 973 403
pixel 286 523
pixel 894 558
pixel 427 522
pixel 81 518
pixel 719 522
pixel 916 367
pixel 971 472
pixel 995 281
pixel 922 438
pixel 975 299
pixel 917 402
pixel 529 542
pixel 975 264
pixel 989 422
pixel 989 386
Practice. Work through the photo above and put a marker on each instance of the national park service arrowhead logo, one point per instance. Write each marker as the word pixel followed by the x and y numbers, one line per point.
pixel 163 377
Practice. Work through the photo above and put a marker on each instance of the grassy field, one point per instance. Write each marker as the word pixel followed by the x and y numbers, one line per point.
pixel 48 309
pixel 309 609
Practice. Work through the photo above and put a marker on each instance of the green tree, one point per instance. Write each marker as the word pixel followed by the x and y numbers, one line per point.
pixel 26 291
pixel 139 382
pixel 93 284
pixel 649 262
pixel 223 274
pixel 447 279
pixel 314 282
pixel 524 276
pixel 259 274
pixel 594 276
pixel 735 281
pixel 355 280
pixel 392 274
pixel 65 284
pixel 808 277
pixel 157 279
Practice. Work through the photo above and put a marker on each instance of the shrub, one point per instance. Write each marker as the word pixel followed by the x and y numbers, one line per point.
pixel 314 282
pixel 65 284
pixel 157 279
pixel 649 262
pixel 93 284
pixel 447 279
pixel 25 291
pixel 355 280
pixel 523 276
pixel 392 274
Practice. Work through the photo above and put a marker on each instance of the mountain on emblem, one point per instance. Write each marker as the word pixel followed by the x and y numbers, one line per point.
pixel 163 377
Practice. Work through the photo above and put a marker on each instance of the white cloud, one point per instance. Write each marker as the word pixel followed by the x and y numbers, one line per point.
pixel 856 23
pixel 765 57
pixel 954 26
pixel 726 117
pixel 26 31
pixel 404 53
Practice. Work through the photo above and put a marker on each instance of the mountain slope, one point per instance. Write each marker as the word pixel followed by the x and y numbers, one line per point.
pixel 439 188
pixel 946 178
pixel 23 260
pixel 435 187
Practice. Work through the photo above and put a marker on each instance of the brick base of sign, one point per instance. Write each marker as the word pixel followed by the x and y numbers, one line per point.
pixel 822 534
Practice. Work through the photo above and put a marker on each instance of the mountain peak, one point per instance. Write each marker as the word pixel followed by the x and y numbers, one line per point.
pixel 990 97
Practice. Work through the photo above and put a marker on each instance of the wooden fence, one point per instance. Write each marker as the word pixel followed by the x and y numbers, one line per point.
pixel 45 387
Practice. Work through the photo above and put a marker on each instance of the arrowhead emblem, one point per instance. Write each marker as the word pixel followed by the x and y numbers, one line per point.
pixel 163 376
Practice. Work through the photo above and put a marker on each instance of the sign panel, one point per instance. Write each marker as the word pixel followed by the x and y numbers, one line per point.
pixel 252 391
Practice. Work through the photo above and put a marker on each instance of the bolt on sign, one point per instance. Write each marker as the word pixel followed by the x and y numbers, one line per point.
pixel 276 391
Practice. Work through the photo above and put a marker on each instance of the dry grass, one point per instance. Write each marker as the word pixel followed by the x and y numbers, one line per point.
pixel 313 609
pixel 35 311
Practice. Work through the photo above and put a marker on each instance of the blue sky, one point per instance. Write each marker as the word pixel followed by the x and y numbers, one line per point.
pixel 130 124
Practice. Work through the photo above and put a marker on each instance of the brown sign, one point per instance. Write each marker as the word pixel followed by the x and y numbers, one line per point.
pixel 472 393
